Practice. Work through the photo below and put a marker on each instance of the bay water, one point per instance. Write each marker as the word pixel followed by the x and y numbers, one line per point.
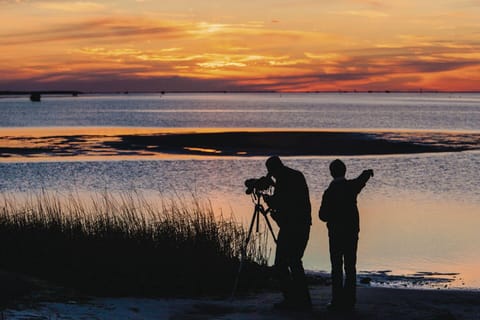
pixel 420 213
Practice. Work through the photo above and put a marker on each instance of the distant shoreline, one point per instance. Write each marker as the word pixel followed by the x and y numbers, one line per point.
pixel 142 143
pixel 7 93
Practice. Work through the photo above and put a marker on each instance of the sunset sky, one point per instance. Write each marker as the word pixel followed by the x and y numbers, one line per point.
pixel 289 45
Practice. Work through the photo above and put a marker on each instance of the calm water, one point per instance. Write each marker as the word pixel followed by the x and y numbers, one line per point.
pixel 419 213
pixel 415 111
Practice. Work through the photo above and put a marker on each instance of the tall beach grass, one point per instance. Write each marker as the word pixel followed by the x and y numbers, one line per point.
pixel 125 245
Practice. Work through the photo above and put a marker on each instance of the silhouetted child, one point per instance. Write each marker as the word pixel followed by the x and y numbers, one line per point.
pixel 339 210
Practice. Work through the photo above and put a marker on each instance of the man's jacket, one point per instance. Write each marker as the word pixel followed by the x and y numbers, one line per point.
pixel 291 200
pixel 339 204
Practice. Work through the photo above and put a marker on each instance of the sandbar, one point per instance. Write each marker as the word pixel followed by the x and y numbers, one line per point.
pixel 104 143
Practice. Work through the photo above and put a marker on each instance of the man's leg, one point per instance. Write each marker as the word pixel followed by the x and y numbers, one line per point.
pixel 300 292
pixel 282 272
pixel 336 259
pixel 350 270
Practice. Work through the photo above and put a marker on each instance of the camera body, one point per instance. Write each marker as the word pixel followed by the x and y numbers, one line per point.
pixel 259 186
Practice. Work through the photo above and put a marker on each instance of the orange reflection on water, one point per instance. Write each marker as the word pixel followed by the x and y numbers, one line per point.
pixel 202 150
pixel 407 236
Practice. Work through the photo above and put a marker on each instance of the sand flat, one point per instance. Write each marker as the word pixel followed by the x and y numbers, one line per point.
pixel 99 143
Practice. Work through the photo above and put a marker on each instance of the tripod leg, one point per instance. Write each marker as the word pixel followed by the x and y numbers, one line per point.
pixel 250 229
pixel 244 252
pixel 270 228
pixel 258 221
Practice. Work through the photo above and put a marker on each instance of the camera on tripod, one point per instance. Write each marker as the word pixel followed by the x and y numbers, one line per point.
pixel 260 186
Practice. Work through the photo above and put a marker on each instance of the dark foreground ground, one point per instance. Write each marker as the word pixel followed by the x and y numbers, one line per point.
pixel 26 298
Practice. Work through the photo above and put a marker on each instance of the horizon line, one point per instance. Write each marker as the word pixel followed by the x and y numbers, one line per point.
pixel 76 92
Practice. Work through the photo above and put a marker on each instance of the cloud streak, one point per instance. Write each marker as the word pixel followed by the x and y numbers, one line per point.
pixel 71 6
pixel 135 69
pixel 107 28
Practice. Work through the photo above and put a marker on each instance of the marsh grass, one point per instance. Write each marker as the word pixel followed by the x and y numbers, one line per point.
pixel 125 245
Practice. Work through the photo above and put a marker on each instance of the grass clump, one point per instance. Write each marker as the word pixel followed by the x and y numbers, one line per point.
pixel 124 245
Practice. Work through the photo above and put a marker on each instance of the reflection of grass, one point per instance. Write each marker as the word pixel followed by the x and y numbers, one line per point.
pixel 125 245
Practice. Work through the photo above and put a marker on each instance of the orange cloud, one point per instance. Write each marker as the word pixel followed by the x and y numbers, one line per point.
pixel 129 44
pixel 71 6
pixel 90 30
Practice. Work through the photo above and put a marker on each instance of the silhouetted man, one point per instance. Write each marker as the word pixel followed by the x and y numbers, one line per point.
pixel 339 210
pixel 291 202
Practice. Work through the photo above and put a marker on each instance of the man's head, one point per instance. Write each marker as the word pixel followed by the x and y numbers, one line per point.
pixel 337 168
pixel 274 166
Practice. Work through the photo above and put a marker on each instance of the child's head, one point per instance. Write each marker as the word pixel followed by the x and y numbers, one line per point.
pixel 337 168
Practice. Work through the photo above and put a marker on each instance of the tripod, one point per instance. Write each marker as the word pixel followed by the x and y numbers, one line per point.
pixel 259 210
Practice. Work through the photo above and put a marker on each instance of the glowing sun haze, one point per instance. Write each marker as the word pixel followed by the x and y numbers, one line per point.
pixel 289 45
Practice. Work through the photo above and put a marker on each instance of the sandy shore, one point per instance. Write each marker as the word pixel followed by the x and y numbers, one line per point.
pixel 27 298
pixel 137 142
pixel 373 303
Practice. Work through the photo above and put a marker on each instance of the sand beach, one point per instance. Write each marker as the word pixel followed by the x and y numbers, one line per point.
pixel 22 301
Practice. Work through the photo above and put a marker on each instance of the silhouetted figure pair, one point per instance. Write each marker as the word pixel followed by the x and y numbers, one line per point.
pixel 339 210
pixel 292 213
